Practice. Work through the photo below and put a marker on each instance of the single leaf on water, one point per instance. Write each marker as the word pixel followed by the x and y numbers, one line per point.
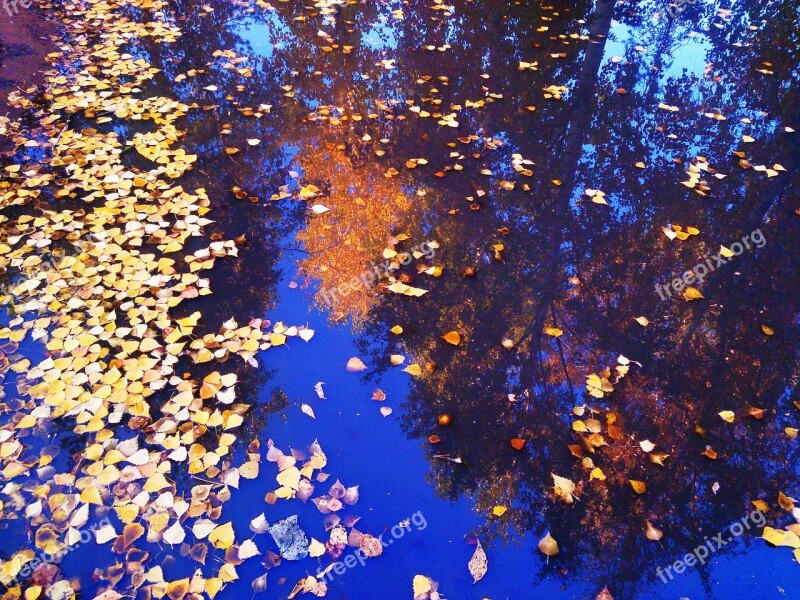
pixel 291 540
pixel 640 487
pixel 548 546
pixel 452 337
pixel 316 548
pixel 478 564
pixel 563 488
pixel 259 584
pixel 692 294
pixel 517 443
pixel 652 532
pixel 604 595
pixel 259 524
pixel 355 365
pixel 413 369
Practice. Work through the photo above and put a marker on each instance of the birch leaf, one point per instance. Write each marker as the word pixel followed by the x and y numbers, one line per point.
pixel 478 564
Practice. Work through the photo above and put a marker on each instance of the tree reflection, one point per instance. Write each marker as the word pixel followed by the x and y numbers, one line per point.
pixel 558 279
pixel 582 268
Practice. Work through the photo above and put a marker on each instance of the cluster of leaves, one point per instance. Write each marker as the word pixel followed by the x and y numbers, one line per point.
pixel 117 230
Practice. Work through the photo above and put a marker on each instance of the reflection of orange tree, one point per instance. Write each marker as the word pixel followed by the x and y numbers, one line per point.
pixel 344 243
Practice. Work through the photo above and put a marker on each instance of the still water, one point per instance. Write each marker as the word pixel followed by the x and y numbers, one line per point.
pixel 561 165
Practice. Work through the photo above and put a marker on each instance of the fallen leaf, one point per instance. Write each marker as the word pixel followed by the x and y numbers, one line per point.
pixel 452 337
pixel 478 564
pixel 548 546
pixel 355 365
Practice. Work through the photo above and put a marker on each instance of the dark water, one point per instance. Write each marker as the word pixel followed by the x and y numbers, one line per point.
pixel 340 120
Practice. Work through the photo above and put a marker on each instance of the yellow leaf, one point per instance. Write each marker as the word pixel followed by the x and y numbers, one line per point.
pixel 355 364
pixel 548 546
pixel 774 536
pixel 26 422
pixel 643 321
pixel 785 502
pixel 289 478
pixel 33 592
pixel 213 586
pixel 222 536
pixel 176 590
pixel 727 416
pixel 499 511
pixel 422 585
pixel 413 369
pixel 452 337
pixel 580 427
pixel 640 487
pixel 563 488
pixel 767 330
pixel 316 548
pixel 597 473
pixel 692 294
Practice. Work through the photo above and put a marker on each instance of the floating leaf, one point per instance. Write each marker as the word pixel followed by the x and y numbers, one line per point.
pixel 548 546
pixel 517 443
pixel 259 524
pixel 291 540
pixel 452 337
pixel 652 532
pixel 222 537
pixel 692 294
pixel 478 564
pixel 413 369
pixel 563 488
pixel 640 487
pixel 355 365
